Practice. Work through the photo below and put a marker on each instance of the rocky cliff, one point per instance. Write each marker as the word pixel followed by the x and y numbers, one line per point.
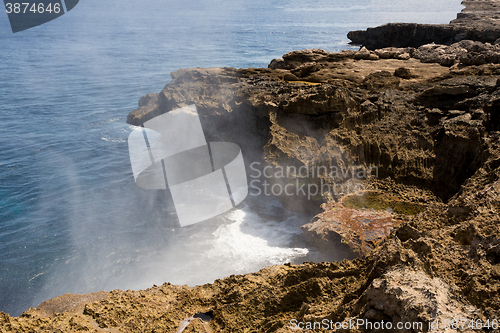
pixel 479 21
pixel 424 227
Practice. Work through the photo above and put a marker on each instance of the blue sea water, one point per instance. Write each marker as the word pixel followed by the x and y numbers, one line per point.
pixel 71 217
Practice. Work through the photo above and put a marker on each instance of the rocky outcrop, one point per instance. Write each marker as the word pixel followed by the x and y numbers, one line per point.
pixel 465 52
pixel 478 21
pixel 338 112
pixel 442 265
pixel 357 224
pixel 342 229
pixel 410 296
pixel 421 132
pixel 415 35
pixel 426 117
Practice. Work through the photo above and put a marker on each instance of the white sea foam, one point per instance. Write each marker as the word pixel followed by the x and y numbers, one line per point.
pixel 249 241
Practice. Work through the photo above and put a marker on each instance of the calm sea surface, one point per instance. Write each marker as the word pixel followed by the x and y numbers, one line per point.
pixel 71 217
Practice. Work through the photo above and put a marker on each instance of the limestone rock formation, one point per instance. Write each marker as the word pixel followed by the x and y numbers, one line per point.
pixel 358 223
pixel 417 125
pixel 342 229
pixel 478 21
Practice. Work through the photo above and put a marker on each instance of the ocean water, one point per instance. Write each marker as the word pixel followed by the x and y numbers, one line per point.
pixel 71 217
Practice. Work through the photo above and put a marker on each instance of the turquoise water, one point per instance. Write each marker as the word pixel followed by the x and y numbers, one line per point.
pixel 71 217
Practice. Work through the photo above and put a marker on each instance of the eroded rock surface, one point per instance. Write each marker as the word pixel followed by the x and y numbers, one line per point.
pixel 358 223
pixel 431 134
pixel 339 114
pixel 479 21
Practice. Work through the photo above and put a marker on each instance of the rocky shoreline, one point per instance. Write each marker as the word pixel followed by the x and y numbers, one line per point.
pixel 478 21
pixel 426 116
